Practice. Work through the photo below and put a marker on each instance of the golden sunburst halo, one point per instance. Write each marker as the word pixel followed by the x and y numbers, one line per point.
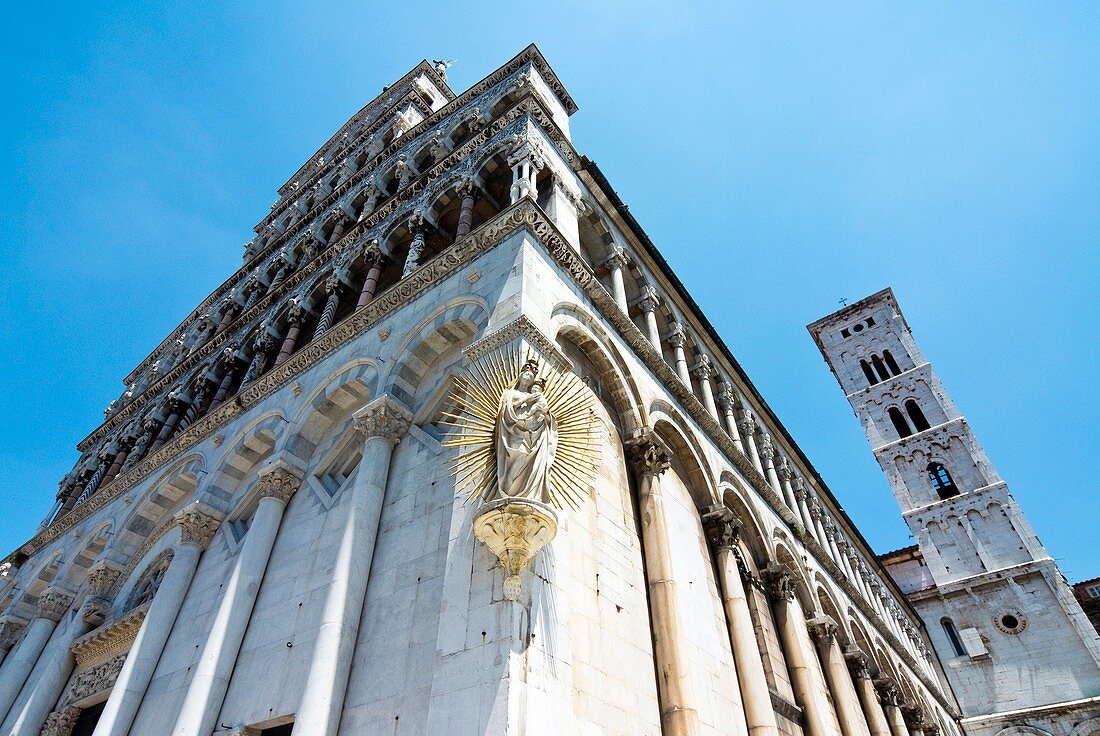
pixel 476 398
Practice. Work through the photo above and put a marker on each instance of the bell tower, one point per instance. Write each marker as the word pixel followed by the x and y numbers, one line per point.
pixel 996 605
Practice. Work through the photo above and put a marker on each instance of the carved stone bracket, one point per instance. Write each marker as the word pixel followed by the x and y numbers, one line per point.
pixel 515 529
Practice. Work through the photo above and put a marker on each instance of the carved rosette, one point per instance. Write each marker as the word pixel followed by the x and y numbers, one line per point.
pixel 383 418
pixel 515 529
pixel 198 523
pixel 53 603
pixel 279 481
pixel 10 630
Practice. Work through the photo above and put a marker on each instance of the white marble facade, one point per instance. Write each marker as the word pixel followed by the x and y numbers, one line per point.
pixel 264 538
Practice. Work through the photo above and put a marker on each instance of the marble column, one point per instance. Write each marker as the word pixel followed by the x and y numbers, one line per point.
pixel 526 164
pixel 723 532
pixel 767 459
pixel 11 628
pixel 648 303
pixel 890 698
pixel 748 433
pixel 382 423
pixel 173 410
pixel 676 338
pixel 798 651
pixel 294 316
pixel 466 209
pixel 51 681
pixel 858 665
pixel 679 716
pixel 703 373
pixel 210 679
pixel 616 262
pixel 845 700
pixel 727 402
pixel 52 605
pixel 786 473
pixel 373 258
pixel 197 524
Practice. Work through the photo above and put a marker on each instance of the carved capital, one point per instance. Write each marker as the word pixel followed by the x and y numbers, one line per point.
pixel 858 664
pixel 767 449
pixel 725 396
pixel 10 629
pixel 677 335
pixel 823 630
pixel 617 257
pixel 53 603
pixel 102 576
pixel 384 417
pixel 279 481
pixel 784 470
pixel 722 527
pixel 747 423
pixel 887 691
pixel 704 370
pixel 60 722
pixel 647 454
pixel 650 298
pixel 198 523
pixel 778 583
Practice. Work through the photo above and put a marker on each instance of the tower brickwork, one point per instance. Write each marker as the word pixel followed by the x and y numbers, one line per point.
pixel 1015 644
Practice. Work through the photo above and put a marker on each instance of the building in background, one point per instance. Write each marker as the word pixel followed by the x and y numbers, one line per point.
pixel 1019 653
pixel 266 535
pixel 1087 593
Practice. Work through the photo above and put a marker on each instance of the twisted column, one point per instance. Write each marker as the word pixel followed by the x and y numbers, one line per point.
pixel 679 717
pixel 332 301
pixel 382 423
pixel 260 348
pixel 197 525
pixel 723 531
pixel 210 680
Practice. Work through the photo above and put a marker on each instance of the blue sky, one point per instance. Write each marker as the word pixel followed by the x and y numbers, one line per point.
pixel 781 155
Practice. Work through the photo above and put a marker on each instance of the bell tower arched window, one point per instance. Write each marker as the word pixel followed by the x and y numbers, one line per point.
pixel 900 424
pixel 891 363
pixel 916 416
pixel 941 481
pixel 871 379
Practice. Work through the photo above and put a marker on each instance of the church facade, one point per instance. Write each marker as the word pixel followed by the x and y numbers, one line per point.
pixel 301 517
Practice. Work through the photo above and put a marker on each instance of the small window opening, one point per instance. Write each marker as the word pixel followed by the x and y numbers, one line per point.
pixel 953 637
pixel 941 481
pixel 88 719
pixel 871 380
pixel 1009 621
pixel 900 424
pixel 283 730
pixel 880 368
pixel 891 363
pixel 916 415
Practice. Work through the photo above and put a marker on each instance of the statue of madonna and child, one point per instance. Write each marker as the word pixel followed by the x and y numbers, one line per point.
pixel 526 439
